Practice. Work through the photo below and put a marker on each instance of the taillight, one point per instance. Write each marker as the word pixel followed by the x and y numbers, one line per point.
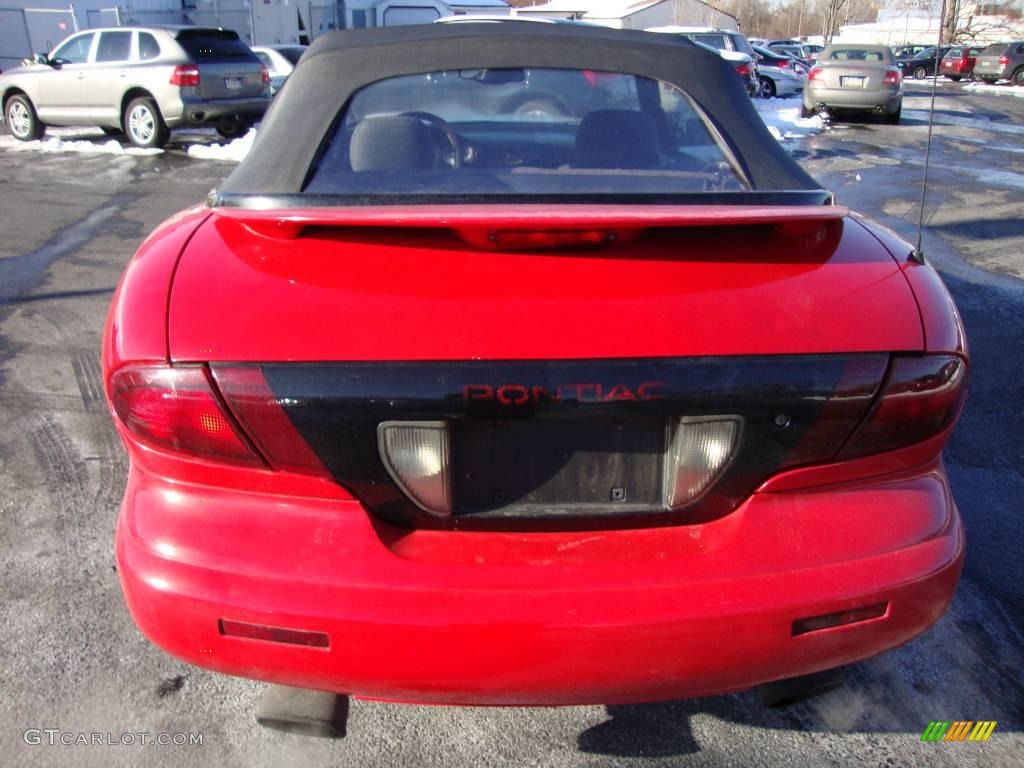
pixel 816 73
pixel 260 414
pixel 921 397
pixel 1004 60
pixel 530 240
pixel 185 75
pixel 892 77
pixel 699 452
pixel 743 70
pixel 264 74
pixel 178 410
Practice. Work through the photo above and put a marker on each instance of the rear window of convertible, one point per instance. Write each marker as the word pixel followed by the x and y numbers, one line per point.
pixel 519 132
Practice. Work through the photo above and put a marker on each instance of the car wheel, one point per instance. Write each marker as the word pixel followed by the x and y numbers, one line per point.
pixel 920 73
pixel 542 109
pixel 954 78
pixel 144 125
pixel 21 119
pixel 767 88
pixel 233 130
pixel 1017 78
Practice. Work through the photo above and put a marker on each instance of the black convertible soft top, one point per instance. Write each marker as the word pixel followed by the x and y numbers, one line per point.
pixel 340 63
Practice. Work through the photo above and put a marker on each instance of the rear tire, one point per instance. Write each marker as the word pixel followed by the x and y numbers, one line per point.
pixel 1017 78
pixel 21 119
pixel 233 130
pixel 144 125
pixel 767 88
pixel 920 73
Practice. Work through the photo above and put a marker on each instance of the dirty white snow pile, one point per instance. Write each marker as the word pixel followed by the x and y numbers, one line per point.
pixel 1002 90
pixel 77 142
pixel 782 116
pixel 234 151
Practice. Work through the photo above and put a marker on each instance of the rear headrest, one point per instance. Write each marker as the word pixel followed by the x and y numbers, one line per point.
pixel 391 143
pixel 616 138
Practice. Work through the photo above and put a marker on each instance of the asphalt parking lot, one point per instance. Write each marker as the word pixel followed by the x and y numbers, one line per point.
pixel 72 660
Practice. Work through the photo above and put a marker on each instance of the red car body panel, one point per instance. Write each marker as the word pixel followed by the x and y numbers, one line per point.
pixel 477 618
pixel 427 295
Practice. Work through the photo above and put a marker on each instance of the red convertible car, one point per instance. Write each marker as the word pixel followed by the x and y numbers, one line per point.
pixel 523 366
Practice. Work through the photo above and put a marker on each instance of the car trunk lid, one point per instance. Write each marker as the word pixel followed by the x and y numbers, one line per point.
pixel 560 359
pixel 227 68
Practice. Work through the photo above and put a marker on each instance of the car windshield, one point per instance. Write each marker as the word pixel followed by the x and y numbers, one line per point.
pixel 995 49
pixel 292 54
pixel 522 132
pixel 213 45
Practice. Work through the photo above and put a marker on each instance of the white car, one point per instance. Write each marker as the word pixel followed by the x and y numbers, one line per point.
pixel 778 74
pixel 279 60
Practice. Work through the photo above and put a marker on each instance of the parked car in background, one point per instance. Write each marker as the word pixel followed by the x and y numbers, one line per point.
pixel 1001 61
pixel 144 81
pixel 795 50
pixel 432 404
pixel 959 62
pixel 777 75
pixel 722 39
pixel 726 44
pixel 279 60
pixel 863 78
pixel 922 64
pixel 907 51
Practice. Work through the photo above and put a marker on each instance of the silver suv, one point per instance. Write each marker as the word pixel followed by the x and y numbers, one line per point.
pixel 143 81
pixel 1001 61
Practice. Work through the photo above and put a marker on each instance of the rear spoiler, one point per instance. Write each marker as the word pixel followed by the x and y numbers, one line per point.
pixel 487 224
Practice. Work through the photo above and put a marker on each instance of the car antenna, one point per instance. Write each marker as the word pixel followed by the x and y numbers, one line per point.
pixel 917 254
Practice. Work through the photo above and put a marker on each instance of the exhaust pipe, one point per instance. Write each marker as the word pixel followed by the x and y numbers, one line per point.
pixel 305 712
pixel 879 110
pixel 793 690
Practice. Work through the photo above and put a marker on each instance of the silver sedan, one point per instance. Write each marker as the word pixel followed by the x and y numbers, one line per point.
pixel 855 77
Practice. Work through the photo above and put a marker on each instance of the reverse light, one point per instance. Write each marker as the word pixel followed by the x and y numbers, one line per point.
pixel 921 397
pixel 816 74
pixel 700 450
pixel 892 77
pixel 417 455
pixel 176 409
pixel 186 76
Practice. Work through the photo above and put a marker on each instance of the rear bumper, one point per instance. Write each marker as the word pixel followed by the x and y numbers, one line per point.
pixel 198 112
pixel 537 618
pixel 850 98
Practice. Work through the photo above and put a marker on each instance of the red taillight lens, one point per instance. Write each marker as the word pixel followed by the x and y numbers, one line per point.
pixel 743 70
pixel 177 409
pixel 922 396
pixel 260 414
pixel 892 77
pixel 1004 60
pixel 533 241
pixel 264 74
pixel 185 75
pixel 816 73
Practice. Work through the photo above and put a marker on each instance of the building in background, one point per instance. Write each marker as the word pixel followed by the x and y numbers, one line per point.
pixel 918 21
pixel 635 14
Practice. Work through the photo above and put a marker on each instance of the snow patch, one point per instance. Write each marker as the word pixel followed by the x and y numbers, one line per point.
pixel 1002 90
pixel 57 145
pixel 234 151
pixel 783 120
